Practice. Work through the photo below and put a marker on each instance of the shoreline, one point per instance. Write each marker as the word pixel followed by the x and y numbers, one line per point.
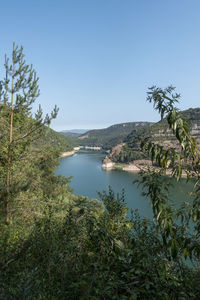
pixel 124 167
pixel 131 167
pixel 135 167
pixel 70 153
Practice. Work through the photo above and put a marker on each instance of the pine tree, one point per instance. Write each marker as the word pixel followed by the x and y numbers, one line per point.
pixel 18 91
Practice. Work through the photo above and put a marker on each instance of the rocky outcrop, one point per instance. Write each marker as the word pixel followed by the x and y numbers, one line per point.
pixel 116 150
pixel 138 165
pixel 131 168
pixel 107 164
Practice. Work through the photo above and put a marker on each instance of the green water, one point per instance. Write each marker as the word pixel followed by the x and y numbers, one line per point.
pixel 89 178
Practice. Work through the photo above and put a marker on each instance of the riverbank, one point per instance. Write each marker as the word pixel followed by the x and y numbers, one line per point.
pixel 70 153
pixel 135 167
pixel 131 167
pixel 123 167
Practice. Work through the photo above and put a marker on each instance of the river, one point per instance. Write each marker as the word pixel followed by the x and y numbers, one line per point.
pixel 89 178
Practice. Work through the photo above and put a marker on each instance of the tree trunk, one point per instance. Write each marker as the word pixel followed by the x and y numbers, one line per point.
pixel 9 152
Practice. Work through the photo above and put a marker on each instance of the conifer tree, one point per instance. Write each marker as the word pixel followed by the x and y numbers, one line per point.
pixel 18 91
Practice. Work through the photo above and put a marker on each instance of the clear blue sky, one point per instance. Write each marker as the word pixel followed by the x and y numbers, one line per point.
pixel 96 58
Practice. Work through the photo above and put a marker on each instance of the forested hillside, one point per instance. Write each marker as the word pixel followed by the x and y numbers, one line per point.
pixel 159 133
pixel 111 136
pixel 72 135
pixel 56 140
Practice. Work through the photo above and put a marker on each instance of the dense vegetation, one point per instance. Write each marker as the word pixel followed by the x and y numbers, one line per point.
pixel 55 245
pixel 111 136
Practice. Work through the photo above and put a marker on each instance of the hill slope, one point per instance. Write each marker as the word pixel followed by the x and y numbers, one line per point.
pixel 158 132
pixel 57 140
pixel 111 136
pixel 69 134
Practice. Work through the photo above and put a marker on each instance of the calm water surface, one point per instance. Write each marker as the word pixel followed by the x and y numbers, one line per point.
pixel 89 178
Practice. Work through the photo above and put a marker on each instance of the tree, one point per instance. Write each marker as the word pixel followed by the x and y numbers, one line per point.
pixel 18 91
pixel 173 224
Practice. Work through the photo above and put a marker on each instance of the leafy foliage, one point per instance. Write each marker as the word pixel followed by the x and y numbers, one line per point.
pixel 173 223
pixel 77 253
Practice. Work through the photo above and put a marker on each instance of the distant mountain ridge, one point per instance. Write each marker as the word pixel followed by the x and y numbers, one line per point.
pixel 79 131
pixel 73 133
pixel 110 136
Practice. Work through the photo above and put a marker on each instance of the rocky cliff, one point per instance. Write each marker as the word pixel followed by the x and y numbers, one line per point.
pixel 130 151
